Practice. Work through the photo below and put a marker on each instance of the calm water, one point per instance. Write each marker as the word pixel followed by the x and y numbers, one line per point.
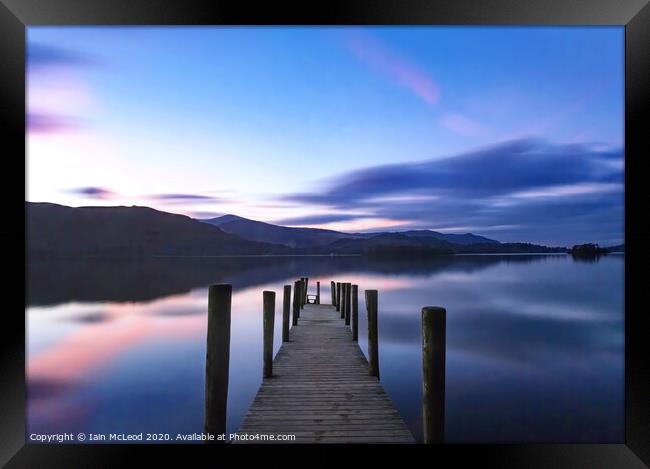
pixel 534 343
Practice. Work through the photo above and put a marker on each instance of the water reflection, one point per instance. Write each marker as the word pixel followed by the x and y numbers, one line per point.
pixel 534 343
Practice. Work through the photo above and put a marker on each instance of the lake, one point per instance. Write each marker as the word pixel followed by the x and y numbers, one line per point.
pixel 535 343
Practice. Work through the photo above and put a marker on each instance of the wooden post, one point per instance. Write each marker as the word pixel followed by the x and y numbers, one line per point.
pixel 373 336
pixel 434 326
pixel 269 322
pixel 355 313
pixel 338 296
pixel 296 302
pixel 304 292
pixel 286 312
pixel 348 292
pixel 217 359
pixel 317 293
pixel 342 301
pixel 333 292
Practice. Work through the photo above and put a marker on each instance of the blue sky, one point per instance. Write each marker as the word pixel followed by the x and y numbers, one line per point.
pixel 510 132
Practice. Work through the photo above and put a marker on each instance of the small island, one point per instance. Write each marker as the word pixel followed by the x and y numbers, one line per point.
pixel 589 250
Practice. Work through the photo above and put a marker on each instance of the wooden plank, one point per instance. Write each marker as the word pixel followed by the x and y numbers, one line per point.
pixel 321 390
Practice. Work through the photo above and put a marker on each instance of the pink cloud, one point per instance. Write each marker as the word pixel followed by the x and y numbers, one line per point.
pixel 380 57
pixel 462 125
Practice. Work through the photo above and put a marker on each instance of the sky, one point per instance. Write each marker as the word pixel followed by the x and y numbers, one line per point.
pixel 515 133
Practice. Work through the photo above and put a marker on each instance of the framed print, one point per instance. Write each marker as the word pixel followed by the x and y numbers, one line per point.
pixel 404 226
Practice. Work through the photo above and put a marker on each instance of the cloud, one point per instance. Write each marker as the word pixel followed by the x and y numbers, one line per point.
pixel 39 54
pixel 462 125
pixel 378 56
pixel 319 219
pixel 45 123
pixel 93 192
pixel 531 189
pixel 181 197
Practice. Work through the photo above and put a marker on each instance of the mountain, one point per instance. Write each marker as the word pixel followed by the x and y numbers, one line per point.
pixel 463 239
pixel 266 232
pixel 390 244
pixel 314 237
pixel 59 231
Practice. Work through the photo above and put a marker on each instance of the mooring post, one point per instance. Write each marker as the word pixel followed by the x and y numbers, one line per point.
pixel 348 293
pixel 333 292
pixel 304 293
pixel 343 288
pixel 217 359
pixel 434 325
pixel 317 293
pixel 373 336
pixel 296 302
pixel 269 322
pixel 338 296
pixel 355 313
pixel 286 311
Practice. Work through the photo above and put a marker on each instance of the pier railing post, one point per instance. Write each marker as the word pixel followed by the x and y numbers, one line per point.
pixel 296 302
pixel 348 293
pixel 333 288
pixel 217 358
pixel 373 335
pixel 338 296
pixel 343 287
pixel 286 312
pixel 269 322
pixel 317 293
pixel 434 326
pixel 355 313
pixel 305 290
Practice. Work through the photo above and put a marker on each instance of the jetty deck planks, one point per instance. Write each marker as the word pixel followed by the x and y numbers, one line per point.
pixel 321 390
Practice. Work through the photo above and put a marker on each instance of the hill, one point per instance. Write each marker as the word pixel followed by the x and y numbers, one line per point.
pixel 59 231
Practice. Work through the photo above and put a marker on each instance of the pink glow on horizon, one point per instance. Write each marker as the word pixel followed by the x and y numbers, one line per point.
pixel 359 225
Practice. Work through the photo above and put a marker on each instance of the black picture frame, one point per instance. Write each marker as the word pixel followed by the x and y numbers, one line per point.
pixel 16 15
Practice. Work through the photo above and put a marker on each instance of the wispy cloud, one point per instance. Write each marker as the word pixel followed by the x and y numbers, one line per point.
pixel 183 198
pixel 319 219
pixel 530 189
pixel 463 125
pixel 93 192
pixel 380 57
pixel 46 123
pixel 39 54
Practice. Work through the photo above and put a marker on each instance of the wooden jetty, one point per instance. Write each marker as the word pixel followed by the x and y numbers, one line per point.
pixel 321 390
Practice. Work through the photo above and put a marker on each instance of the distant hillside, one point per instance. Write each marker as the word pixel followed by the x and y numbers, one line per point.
pixel 463 239
pixel 386 243
pixel 399 244
pixel 266 232
pixel 59 231
pixel 314 237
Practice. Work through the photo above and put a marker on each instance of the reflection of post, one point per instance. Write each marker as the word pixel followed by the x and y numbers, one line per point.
pixel 217 359
pixel 269 322
pixel 296 302
pixel 338 296
pixel 434 321
pixel 348 292
pixel 317 293
pixel 332 288
pixel 355 313
pixel 286 311
pixel 373 338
